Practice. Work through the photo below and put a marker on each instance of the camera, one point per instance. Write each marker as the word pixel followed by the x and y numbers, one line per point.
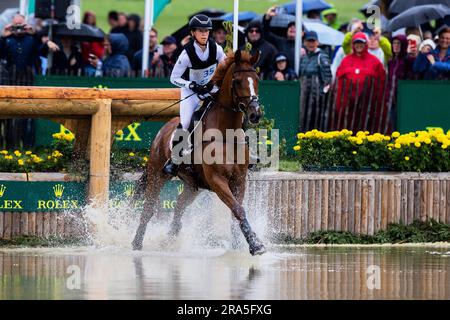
pixel 18 28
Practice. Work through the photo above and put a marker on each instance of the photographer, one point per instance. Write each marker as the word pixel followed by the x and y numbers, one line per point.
pixel 20 48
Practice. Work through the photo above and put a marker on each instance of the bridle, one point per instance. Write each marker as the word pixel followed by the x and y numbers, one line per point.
pixel 241 103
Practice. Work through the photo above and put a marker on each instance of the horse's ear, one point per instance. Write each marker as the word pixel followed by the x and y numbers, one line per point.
pixel 237 56
pixel 255 58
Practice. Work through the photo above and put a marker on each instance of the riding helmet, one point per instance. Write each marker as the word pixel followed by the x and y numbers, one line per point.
pixel 200 21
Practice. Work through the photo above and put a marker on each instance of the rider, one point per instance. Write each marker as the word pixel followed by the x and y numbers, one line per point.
pixel 192 73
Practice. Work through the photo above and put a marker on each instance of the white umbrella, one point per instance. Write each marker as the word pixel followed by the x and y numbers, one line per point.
pixel 327 35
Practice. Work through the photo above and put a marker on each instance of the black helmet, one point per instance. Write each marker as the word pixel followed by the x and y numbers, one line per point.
pixel 200 21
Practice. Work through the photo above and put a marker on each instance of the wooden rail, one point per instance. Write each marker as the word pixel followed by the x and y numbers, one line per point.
pixel 94 115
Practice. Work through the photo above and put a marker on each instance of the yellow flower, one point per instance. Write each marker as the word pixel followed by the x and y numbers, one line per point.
pixel 20 162
pixel 28 153
pixel 57 154
pixel 37 159
pixel 4 152
pixel 297 148
pixel 396 134
pixel 145 159
pixel 17 153
pixel 398 145
pixel 427 140
pixel 49 157
pixel 359 141
pixel 354 152
pixel 417 144
pixel 131 154
pixel 444 146
pixel 8 157
pixel 407 158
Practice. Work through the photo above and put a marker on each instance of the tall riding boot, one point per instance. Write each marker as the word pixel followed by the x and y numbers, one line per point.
pixel 171 167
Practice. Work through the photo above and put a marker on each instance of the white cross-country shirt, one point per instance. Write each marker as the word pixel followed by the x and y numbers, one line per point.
pixel 200 76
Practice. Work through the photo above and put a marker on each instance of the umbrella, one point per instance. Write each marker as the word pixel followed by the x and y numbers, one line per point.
pixel 327 35
pixel 84 33
pixel 416 16
pixel 398 6
pixel 363 10
pixel 244 16
pixel 308 5
pixel 7 16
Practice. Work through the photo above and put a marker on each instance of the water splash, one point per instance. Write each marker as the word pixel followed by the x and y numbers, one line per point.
pixel 206 225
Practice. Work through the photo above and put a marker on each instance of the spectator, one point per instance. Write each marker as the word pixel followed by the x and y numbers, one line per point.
pixel 114 23
pixel 313 15
pixel 355 69
pixel 167 60
pixel 154 53
pixel 315 74
pixel 67 60
pixel 330 18
pixel 283 44
pixel 95 48
pixel 123 20
pixel 379 45
pixel 134 36
pixel 267 50
pixel 220 36
pixel 315 62
pixel 281 70
pixel 116 62
pixel 20 48
pixel 399 68
pixel 435 64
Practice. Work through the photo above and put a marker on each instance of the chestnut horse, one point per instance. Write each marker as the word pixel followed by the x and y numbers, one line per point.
pixel 236 99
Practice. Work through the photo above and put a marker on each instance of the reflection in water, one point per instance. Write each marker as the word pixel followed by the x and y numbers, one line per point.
pixel 306 273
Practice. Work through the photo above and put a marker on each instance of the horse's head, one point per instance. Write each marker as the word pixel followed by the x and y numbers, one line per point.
pixel 245 86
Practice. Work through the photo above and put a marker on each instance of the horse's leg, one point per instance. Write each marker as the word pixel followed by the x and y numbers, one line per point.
pixel 151 204
pixel 184 200
pixel 220 186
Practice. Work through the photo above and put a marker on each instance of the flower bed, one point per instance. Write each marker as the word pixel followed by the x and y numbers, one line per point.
pixel 420 151
pixel 59 158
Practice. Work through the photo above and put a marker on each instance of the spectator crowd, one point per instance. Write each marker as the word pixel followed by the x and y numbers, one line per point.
pixel 414 54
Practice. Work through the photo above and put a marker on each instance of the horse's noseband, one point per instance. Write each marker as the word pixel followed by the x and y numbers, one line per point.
pixel 241 103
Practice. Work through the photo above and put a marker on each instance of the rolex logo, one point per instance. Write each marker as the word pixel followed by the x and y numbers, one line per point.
pixel 2 190
pixel 129 190
pixel 180 189
pixel 58 190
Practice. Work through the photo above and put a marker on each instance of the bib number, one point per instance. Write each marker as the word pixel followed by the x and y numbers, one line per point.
pixel 202 76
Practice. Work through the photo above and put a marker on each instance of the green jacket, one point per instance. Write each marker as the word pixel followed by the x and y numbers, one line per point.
pixel 385 45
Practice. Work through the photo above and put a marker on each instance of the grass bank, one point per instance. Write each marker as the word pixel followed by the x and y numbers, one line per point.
pixel 429 231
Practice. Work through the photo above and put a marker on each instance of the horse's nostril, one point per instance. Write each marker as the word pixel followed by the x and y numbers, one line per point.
pixel 253 117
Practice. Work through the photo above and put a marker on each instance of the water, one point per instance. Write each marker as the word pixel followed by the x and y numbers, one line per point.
pixel 201 264
pixel 302 273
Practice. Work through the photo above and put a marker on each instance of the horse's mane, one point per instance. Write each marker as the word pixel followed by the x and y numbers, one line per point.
pixel 223 67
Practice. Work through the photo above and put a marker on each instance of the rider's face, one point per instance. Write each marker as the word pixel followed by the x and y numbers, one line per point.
pixel 201 35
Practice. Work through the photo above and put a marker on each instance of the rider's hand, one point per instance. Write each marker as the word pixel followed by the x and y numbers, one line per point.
pixel 200 89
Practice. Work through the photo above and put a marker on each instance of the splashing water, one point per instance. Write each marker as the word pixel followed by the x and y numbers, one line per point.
pixel 206 225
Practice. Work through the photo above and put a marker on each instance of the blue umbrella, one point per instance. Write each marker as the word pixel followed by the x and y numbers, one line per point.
pixel 327 35
pixel 308 5
pixel 243 16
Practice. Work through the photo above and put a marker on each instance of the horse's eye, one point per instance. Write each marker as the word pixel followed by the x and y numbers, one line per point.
pixel 237 81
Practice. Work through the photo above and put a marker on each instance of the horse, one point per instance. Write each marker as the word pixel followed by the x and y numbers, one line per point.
pixel 236 100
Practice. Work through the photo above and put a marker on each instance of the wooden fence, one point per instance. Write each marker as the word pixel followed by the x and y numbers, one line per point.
pixel 363 203
pixel 93 115
pixel 297 204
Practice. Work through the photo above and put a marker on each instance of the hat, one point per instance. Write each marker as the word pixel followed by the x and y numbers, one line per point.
pixel 280 57
pixel 428 42
pixel 359 37
pixel 311 35
pixel 169 40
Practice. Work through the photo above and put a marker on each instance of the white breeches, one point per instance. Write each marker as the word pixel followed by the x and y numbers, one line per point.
pixel 187 107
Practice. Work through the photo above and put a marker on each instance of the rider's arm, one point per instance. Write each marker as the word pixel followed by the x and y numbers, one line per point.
pixel 178 70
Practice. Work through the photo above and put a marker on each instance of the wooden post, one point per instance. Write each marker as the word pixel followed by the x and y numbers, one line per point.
pixel 100 154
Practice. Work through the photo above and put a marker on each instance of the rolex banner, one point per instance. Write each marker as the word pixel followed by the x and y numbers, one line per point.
pixel 17 196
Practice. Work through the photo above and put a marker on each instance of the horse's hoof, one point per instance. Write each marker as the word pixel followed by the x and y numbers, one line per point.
pixel 137 246
pixel 257 250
